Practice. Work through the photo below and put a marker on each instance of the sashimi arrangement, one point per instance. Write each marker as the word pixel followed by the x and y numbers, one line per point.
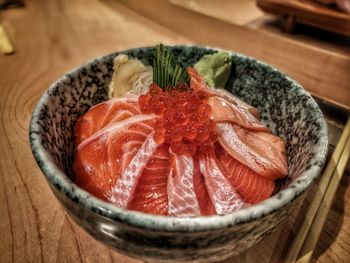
pixel 168 142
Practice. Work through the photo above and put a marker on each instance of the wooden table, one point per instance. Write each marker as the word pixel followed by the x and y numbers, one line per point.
pixel 52 37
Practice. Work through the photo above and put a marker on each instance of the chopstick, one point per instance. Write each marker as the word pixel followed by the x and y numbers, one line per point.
pixel 327 177
pixel 316 228
pixel 5 44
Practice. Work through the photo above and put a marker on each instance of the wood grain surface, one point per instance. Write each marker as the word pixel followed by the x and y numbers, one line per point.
pixel 52 37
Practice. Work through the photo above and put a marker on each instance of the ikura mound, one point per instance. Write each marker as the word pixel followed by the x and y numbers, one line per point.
pixel 179 149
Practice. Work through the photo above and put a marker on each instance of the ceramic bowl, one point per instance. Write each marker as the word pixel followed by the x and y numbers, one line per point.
pixel 286 108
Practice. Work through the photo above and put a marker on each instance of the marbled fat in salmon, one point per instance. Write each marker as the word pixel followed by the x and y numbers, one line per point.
pixel 250 186
pixel 151 195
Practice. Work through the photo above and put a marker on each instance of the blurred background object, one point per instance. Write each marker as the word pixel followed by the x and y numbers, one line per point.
pixel 311 12
pixel 11 3
pixel 344 5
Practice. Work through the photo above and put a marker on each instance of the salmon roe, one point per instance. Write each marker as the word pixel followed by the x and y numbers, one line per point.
pixel 184 122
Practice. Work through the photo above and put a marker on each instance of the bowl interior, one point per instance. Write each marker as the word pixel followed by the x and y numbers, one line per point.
pixel 284 106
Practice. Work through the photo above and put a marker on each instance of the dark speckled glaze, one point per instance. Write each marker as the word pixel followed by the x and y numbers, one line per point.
pixel 285 107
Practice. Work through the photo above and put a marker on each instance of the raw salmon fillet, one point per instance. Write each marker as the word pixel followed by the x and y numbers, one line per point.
pixel 101 159
pixel 183 201
pixel 223 195
pixel 224 111
pixel 236 101
pixel 262 152
pixel 124 189
pixel 197 83
pixel 151 191
pixel 100 115
pixel 250 186
pixel 205 204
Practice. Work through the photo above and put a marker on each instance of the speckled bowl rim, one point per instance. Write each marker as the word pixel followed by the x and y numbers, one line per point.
pixel 62 183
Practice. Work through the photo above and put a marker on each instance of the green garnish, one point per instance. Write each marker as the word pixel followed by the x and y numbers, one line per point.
pixel 215 68
pixel 166 72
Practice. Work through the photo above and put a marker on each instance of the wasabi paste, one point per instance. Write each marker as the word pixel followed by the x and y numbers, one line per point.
pixel 215 69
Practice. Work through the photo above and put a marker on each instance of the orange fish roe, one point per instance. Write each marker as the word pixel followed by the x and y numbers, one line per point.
pixel 184 122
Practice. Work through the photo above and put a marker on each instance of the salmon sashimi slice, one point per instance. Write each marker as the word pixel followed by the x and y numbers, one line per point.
pixel 196 80
pixel 252 187
pixel 124 189
pixel 228 96
pixel 245 152
pixel 111 111
pixel 224 111
pixel 182 198
pixel 151 191
pixel 205 204
pixel 197 83
pixel 268 145
pixel 100 160
pixel 224 197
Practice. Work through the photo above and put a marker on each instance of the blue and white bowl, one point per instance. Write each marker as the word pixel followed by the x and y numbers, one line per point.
pixel 286 108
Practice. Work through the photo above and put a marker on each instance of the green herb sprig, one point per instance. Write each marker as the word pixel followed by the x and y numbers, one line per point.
pixel 166 72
